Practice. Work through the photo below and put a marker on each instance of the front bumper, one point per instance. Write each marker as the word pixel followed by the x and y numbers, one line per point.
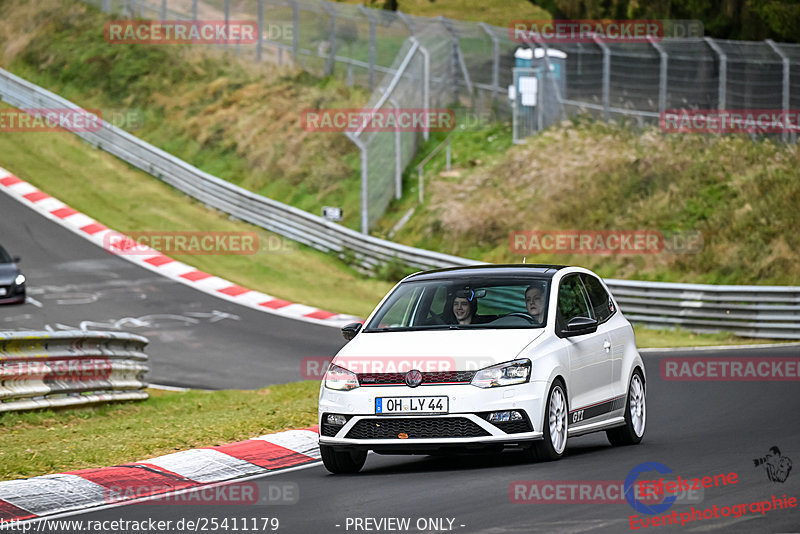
pixel 464 426
pixel 12 294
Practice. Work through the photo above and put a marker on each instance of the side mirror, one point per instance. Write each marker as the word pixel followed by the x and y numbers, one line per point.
pixel 16 259
pixel 349 331
pixel 578 326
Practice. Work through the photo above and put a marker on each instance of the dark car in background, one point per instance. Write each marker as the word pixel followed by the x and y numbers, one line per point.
pixel 12 281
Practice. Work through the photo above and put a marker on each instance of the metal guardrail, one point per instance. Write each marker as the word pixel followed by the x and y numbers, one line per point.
pixel 753 311
pixel 69 368
pixel 749 311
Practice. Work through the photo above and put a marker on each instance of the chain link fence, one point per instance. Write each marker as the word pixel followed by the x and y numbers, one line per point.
pixel 423 63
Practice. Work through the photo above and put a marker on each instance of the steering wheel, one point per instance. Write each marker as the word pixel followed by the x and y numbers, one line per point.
pixel 524 315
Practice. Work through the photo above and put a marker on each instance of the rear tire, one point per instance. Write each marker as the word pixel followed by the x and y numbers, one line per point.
pixel 342 461
pixel 554 444
pixel 635 415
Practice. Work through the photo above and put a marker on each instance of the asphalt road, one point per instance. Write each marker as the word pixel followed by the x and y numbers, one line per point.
pixel 697 429
pixel 195 339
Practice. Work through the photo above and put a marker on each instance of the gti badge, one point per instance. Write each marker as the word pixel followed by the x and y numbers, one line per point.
pixel 413 378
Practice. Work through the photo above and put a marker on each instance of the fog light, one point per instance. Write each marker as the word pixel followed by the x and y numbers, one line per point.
pixel 504 417
pixel 336 419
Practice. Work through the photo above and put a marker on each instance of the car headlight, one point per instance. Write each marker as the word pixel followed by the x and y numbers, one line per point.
pixel 20 279
pixel 504 374
pixel 340 379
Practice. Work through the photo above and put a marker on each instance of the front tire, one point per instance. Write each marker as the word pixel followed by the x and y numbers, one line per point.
pixel 554 444
pixel 635 414
pixel 342 461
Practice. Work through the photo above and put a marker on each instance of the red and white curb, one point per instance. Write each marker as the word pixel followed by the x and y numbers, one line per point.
pixel 181 471
pixel 95 232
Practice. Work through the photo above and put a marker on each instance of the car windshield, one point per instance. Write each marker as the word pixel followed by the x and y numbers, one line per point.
pixel 4 257
pixel 464 303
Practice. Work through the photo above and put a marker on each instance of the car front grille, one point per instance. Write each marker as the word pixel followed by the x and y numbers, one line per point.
pixel 416 428
pixel 327 429
pixel 439 377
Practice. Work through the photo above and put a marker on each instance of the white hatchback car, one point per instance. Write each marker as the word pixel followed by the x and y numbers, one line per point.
pixel 484 357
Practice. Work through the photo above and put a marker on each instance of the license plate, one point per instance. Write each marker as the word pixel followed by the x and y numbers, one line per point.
pixel 411 405
pixel 2 291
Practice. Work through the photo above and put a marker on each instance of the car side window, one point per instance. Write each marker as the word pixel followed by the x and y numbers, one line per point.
pixel 572 300
pixel 600 300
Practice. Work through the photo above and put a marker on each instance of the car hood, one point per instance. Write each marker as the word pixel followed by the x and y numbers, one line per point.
pixel 434 350
pixel 8 271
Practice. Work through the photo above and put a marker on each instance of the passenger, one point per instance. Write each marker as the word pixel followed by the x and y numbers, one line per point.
pixel 535 301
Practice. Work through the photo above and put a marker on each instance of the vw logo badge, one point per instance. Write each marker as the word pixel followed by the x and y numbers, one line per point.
pixel 413 378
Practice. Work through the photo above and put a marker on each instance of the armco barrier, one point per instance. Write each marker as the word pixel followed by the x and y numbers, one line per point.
pixel 749 311
pixel 55 369
pixel 753 311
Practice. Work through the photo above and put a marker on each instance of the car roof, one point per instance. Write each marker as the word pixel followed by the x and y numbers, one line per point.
pixel 490 270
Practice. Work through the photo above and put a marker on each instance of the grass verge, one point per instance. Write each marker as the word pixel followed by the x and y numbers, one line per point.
pixel 48 441
pixel 657 338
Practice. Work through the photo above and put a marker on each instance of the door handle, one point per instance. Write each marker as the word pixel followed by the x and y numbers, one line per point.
pixel 607 345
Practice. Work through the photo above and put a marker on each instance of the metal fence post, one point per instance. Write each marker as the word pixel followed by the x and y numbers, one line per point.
pixel 330 62
pixel 662 75
pixel 260 43
pixel 606 76
pixel 295 30
pixel 398 160
pixel 227 20
pixel 364 176
pixel 194 10
pixel 163 9
pixel 723 72
pixel 421 184
pixel 426 84
pixel 786 87
pixel 495 55
pixel 371 71
pixel 458 56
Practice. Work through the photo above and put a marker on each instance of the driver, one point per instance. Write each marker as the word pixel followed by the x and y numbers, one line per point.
pixel 534 301
pixel 464 308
